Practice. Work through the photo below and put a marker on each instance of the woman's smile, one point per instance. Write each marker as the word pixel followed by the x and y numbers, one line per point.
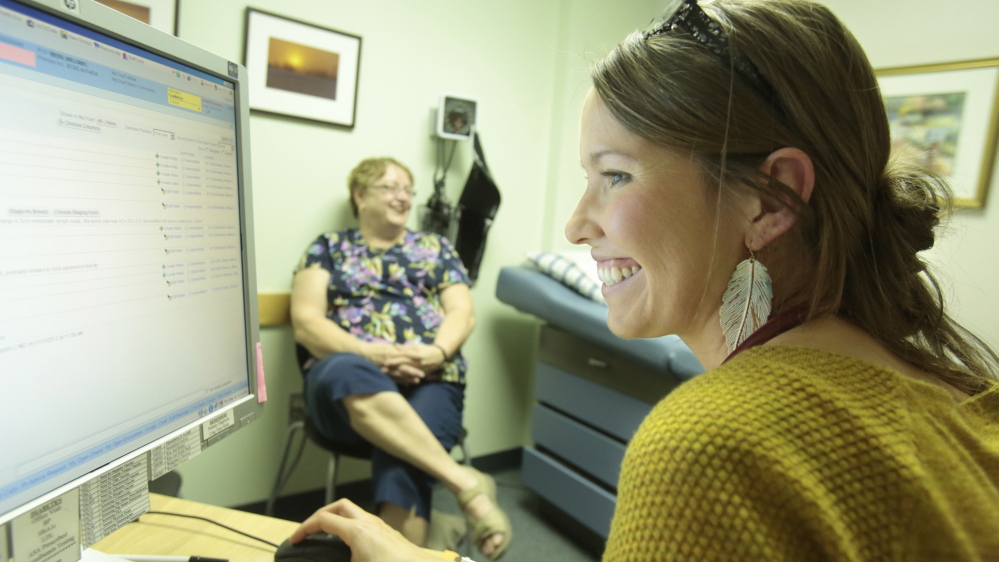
pixel 612 275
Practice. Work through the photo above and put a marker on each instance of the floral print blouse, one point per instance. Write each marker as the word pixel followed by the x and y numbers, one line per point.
pixel 390 295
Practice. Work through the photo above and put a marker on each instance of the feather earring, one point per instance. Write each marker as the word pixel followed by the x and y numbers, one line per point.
pixel 747 301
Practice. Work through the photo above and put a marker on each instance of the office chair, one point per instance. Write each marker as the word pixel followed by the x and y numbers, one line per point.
pixel 299 422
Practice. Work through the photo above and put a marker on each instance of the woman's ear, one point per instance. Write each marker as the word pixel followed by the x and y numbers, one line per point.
pixel 793 168
pixel 358 196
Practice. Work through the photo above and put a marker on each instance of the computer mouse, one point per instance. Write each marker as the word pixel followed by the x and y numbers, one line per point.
pixel 315 548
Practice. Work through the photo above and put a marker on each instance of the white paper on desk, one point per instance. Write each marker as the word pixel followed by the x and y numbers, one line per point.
pixel 49 533
pixel 91 555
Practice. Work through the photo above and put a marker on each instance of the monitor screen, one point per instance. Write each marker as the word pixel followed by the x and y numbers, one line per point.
pixel 127 300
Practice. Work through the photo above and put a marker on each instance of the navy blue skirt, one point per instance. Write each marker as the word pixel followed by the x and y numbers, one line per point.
pixel 439 404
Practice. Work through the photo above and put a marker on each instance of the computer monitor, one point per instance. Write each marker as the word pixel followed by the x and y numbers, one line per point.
pixel 128 324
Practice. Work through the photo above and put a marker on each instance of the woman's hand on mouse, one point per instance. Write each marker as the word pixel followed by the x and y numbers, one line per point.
pixel 370 539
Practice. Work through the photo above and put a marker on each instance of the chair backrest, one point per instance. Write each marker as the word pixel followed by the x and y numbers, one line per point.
pixel 303 356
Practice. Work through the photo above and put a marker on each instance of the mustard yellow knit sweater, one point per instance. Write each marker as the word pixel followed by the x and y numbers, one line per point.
pixel 796 454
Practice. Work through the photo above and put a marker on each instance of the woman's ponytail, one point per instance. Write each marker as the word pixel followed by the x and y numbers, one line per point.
pixel 891 293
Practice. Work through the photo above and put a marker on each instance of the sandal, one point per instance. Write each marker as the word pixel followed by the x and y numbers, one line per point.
pixel 494 521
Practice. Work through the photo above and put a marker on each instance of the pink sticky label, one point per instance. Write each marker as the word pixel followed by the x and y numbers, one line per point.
pixel 261 380
pixel 17 54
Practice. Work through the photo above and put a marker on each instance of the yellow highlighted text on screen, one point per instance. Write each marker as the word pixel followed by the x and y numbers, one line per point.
pixel 184 99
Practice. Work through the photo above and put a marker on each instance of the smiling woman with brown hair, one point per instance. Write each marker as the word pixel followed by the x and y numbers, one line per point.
pixel 741 194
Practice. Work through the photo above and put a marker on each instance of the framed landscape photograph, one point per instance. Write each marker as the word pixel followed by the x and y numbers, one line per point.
pixel 300 69
pixel 948 113
pixel 161 14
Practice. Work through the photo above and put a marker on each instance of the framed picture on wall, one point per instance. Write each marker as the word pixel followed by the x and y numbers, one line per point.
pixel 161 14
pixel 948 113
pixel 301 70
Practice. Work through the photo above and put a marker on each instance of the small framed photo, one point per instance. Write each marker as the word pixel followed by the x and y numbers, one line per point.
pixel 457 116
pixel 161 14
pixel 300 69
pixel 949 113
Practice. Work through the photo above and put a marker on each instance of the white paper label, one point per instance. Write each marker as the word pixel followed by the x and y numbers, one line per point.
pixel 113 499
pixel 174 453
pixel 49 532
pixel 217 425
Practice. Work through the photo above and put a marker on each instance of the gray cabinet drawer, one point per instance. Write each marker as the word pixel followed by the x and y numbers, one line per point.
pixel 589 451
pixel 589 402
pixel 588 503
pixel 594 363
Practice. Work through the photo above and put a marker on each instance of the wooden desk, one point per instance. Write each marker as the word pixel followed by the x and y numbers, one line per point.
pixel 167 535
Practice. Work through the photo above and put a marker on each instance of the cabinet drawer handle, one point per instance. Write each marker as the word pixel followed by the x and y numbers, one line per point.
pixel 594 362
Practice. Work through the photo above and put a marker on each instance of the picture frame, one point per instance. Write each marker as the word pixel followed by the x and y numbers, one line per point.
pixel 457 116
pixel 161 14
pixel 301 70
pixel 949 112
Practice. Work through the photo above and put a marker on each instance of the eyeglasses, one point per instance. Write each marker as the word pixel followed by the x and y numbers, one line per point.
pixel 396 190
pixel 688 16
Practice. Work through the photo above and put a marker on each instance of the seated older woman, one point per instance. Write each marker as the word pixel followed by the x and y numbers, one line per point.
pixel 384 312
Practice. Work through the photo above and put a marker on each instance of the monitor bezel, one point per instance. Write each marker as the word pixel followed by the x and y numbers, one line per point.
pixel 100 18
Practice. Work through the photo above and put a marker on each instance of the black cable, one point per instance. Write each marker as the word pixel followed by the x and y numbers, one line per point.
pixel 212 522
pixel 443 160
pixel 439 215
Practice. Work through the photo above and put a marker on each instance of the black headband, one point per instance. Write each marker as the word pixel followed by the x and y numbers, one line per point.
pixel 690 17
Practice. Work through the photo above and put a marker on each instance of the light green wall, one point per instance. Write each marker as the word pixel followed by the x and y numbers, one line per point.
pixel 526 62
pixel 917 32
pixel 584 39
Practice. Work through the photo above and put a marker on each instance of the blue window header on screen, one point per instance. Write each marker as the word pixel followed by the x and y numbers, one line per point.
pixel 66 66
pixel 69 26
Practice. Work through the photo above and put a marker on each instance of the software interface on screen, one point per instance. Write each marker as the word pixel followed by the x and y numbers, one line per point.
pixel 121 282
